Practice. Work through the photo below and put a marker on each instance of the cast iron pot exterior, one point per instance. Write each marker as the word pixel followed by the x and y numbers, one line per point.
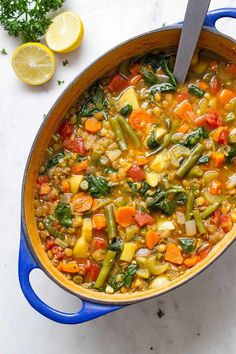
pixel 32 254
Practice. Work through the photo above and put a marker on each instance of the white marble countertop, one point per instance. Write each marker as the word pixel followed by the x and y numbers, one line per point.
pixel 198 317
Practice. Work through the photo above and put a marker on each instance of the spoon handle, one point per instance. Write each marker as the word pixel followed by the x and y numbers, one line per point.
pixel 194 17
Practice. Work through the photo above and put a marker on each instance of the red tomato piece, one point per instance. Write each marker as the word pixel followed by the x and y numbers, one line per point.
pixel 66 130
pixel 215 85
pixel 215 218
pixel 49 243
pixel 87 266
pixel 42 179
pixel 200 121
pixel 223 137
pixel 57 252
pixel 98 243
pixel 203 254
pixel 94 272
pixel 75 145
pixel 226 222
pixel 182 96
pixel 117 84
pixel 213 118
pixel 143 218
pixel 136 173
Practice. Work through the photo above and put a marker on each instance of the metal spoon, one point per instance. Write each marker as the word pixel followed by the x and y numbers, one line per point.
pixel 193 21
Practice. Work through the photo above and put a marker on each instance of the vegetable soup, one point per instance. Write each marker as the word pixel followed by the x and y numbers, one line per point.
pixel 139 182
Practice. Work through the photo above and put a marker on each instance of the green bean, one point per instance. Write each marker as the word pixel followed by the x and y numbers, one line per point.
pixel 167 138
pixel 129 131
pixel 209 210
pixel 189 205
pixel 53 232
pixel 105 270
pixel 191 160
pixel 102 204
pixel 118 133
pixel 199 222
pixel 111 223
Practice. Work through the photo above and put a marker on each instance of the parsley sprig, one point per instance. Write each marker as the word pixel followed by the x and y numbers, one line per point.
pixel 27 19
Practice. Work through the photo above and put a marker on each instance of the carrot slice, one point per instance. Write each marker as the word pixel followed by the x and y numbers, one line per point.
pixel 139 118
pixel 191 262
pixel 78 167
pixel 71 267
pixel 44 189
pixel 65 186
pixel 173 254
pixel 99 221
pixel 203 85
pixel 226 95
pixel 183 128
pixel 183 110
pixel 141 160
pixel 215 187
pixel 134 69
pixel 125 215
pixel 82 202
pixel 135 80
pixel 218 158
pixel 92 125
pixel 152 238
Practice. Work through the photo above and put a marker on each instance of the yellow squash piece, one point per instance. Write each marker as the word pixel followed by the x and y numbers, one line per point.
pixel 66 32
pixel 159 163
pixel 152 179
pixel 81 247
pixel 129 96
pixel 33 63
pixel 128 251
pixel 75 183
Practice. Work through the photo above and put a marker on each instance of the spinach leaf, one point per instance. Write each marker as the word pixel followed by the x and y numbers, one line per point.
pixel 144 187
pixel 180 198
pixel 195 91
pixel 126 110
pixel 116 245
pixel 96 102
pixel 168 72
pixel 151 141
pixel 204 159
pixel 64 215
pixel 54 160
pixel 109 170
pixel 48 226
pixel 166 201
pixel 194 137
pixel 148 76
pixel 98 186
pixel 126 277
pixel 231 153
pixel 133 188
pixel 163 87
pixel 188 244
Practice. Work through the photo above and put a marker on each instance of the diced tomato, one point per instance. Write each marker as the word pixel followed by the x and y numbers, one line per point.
pixel 117 84
pixel 182 96
pixel 215 218
pixel 44 189
pixel 94 272
pixel 87 266
pixel 213 118
pixel 98 243
pixel 226 222
pixel 66 130
pixel 49 243
pixel 215 85
pixel 57 252
pixel 136 173
pixel 42 179
pixel 200 121
pixel 203 254
pixel 75 145
pixel 223 137
pixel 143 218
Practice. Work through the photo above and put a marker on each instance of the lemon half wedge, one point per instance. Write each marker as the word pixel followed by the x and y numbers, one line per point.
pixel 65 32
pixel 33 63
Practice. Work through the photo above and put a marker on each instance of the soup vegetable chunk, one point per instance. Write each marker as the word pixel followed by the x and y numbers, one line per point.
pixel 139 184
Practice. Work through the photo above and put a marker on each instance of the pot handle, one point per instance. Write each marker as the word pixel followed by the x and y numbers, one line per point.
pixel 213 16
pixel 88 311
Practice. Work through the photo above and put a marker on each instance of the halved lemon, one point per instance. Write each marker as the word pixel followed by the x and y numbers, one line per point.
pixel 65 32
pixel 33 63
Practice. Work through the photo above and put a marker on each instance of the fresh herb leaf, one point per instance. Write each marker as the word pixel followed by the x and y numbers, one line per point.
pixel 188 244
pixel 64 215
pixel 65 62
pixel 109 170
pixel 163 25
pixel 194 137
pixel 231 154
pixel 195 91
pixel 204 159
pixel 98 186
pixel 160 313
pixel 60 82
pixel 126 110
pixel 116 245
pixel 27 19
pixel 54 160
pixel 3 51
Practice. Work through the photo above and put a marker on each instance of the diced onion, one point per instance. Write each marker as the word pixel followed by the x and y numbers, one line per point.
pixel 231 182
pixel 165 225
pixel 113 154
pixel 143 252
pixel 89 141
pixel 66 197
pixel 159 282
pixel 180 217
pixel 190 227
